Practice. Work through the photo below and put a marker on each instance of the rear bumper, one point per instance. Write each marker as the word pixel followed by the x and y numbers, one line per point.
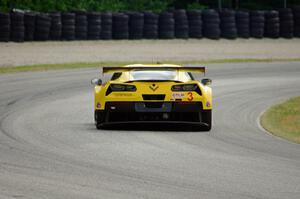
pixel 151 112
pixel 153 106
pixel 151 123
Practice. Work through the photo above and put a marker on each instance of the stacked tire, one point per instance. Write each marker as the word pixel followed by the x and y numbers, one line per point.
pixel 29 23
pixel 17 29
pixel 195 23
pixel 150 25
pixel 296 13
pixel 94 25
pixel 181 24
pixel 56 26
pixel 81 25
pixel 272 25
pixel 211 24
pixel 257 24
pixel 120 26
pixel 242 19
pixel 136 25
pixel 42 30
pixel 106 26
pixel 68 26
pixel 166 25
pixel 286 23
pixel 4 27
pixel 228 24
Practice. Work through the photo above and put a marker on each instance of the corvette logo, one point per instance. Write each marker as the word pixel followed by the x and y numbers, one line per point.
pixel 153 87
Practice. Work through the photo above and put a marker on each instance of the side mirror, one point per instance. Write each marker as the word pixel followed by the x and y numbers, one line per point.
pixel 206 82
pixel 96 81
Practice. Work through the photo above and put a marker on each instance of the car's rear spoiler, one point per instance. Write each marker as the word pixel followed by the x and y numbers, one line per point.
pixel 114 69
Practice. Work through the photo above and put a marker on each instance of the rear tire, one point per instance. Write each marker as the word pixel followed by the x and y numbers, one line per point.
pixel 99 126
pixel 207 118
pixel 99 117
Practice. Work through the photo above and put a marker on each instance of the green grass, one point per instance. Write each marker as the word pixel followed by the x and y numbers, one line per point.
pixel 283 120
pixel 44 67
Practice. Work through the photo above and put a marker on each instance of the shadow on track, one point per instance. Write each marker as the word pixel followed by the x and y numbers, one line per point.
pixel 176 128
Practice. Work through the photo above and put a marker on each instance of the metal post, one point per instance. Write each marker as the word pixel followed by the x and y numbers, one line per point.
pixel 284 3
pixel 220 4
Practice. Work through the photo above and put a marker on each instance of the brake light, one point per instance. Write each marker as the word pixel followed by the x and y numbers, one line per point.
pixel 186 87
pixel 120 88
pixel 117 87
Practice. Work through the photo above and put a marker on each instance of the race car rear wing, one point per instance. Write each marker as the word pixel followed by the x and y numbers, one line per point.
pixel 192 69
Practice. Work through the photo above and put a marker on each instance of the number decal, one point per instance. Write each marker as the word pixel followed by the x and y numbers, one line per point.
pixel 190 96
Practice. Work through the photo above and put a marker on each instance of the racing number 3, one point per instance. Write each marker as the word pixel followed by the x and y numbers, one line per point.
pixel 190 96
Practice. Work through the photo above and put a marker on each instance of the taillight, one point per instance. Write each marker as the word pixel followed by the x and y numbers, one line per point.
pixel 120 88
pixel 186 87
pixel 117 87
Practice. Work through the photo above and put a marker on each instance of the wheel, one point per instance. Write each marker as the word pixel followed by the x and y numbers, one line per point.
pixel 206 118
pixel 99 126
pixel 99 117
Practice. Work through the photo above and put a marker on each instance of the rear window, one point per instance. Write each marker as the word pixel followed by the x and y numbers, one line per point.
pixel 153 75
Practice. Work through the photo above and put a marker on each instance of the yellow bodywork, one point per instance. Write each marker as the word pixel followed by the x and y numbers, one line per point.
pixel 143 88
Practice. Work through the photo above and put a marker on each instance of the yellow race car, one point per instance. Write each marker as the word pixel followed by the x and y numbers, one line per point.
pixel 160 93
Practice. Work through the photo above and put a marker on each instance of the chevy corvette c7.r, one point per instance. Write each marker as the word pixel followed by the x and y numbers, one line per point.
pixel 160 93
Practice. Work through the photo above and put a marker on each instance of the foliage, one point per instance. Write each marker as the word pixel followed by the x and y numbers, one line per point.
pixel 196 5
pixel 153 5
pixel 91 5
pixel 137 5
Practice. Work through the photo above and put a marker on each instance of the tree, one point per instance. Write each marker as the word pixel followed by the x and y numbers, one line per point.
pixel 235 4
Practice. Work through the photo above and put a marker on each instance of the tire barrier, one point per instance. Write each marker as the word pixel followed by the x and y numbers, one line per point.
pixel 94 25
pixel 81 25
pixel 166 25
pixel 56 26
pixel 136 25
pixel 42 30
pixel 150 25
pixel 106 26
pixel 29 24
pixel 181 24
pixel 243 24
pixel 68 26
pixel 120 26
pixel 272 24
pixel 257 24
pixel 4 27
pixel 22 26
pixel 211 24
pixel 228 24
pixel 17 29
pixel 286 23
pixel 195 23
pixel 296 13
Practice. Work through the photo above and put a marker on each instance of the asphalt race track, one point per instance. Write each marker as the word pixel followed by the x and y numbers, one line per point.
pixel 50 148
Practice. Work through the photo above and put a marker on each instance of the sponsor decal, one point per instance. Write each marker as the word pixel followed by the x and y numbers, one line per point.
pixel 98 105
pixel 190 96
pixel 177 95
